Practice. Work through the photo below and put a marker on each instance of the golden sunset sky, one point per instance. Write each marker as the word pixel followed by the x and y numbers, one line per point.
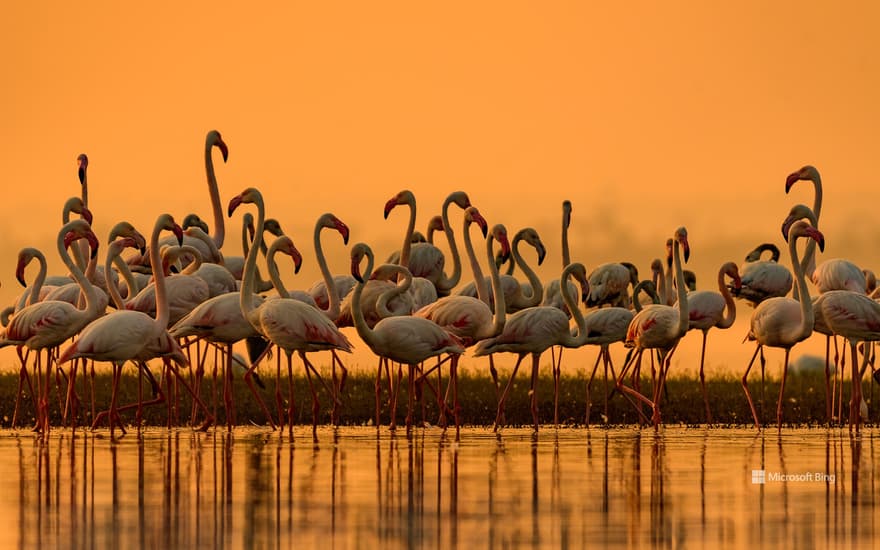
pixel 646 115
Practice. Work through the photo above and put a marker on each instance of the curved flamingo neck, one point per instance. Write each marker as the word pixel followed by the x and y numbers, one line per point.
pixel 566 221
pixel 250 266
pixel 571 303
pixel 113 252
pixel 333 298
pixel 445 284
pixel 357 313
pixel 479 280
pixel 406 249
pixel 163 314
pixel 88 290
pixel 729 304
pixel 404 282
pixel 809 259
pixel 274 274
pixel 216 208
pixel 683 312
pixel 536 288
pixel 807 319
pixel 37 286
pixel 499 317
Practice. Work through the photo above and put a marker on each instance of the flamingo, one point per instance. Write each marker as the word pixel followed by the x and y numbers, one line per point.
pixel 783 322
pixel 515 295
pixel 856 317
pixel 434 224
pixel 289 324
pixel 608 325
pixel 404 339
pixel 609 283
pixel 708 309
pixel 552 296
pixel 659 327
pixel 424 259
pixel 128 335
pixel 218 279
pixel 46 325
pixel 471 319
pixel 762 279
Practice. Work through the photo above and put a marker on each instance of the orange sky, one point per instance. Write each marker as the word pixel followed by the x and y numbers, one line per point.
pixel 646 116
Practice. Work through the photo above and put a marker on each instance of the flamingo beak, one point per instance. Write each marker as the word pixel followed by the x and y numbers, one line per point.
pixel 178 232
pixel 480 221
pixel 343 230
pixel 542 253
pixel 83 163
pixel 140 242
pixel 791 180
pixel 93 243
pixel 505 247
pixel 389 206
pixel 233 204
pixel 817 236
pixel 356 270
pixel 19 274
pixel 737 283
pixel 786 227
pixel 223 149
pixel 87 215
pixel 297 260
pixel 687 250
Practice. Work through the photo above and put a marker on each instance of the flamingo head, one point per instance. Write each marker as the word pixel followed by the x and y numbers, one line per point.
pixel 249 195
pixel 213 139
pixel 472 215
pixel 193 220
pixel 24 258
pixel 82 164
pixel 331 221
pixel 797 212
pixel 530 236
pixel 460 198
pixel 285 245
pixel 358 252
pixel 566 213
pixel 731 270
pixel 579 273
pixel 633 272
pixel 126 230
pixel 656 267
pixel 499 233
pixel 806 173
pixel 803 229
pixel 271 225
pixel 435 224
pixel 681 236
pixel 404 197
pixel 78 233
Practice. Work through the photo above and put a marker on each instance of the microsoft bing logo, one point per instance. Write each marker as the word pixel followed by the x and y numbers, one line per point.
pixel 758 477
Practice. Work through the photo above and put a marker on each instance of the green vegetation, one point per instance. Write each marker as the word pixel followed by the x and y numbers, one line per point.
pixel 804 400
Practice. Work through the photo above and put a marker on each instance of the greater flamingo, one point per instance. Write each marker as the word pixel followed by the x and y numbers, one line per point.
pixel 404 339
pixel 659 327
pixel 471 319
pixel 532 330
pixel 289 324
pixel 46 325
pixel 762 279
pixel 782 322
pixel 609 283
pixel 127 335
pixel 709 309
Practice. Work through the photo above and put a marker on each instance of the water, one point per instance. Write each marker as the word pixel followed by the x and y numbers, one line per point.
pixel 359 488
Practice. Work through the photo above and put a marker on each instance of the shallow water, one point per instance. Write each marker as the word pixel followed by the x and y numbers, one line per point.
pixel 359 488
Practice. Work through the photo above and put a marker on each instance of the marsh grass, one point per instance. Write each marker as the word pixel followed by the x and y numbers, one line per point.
pixel 683 404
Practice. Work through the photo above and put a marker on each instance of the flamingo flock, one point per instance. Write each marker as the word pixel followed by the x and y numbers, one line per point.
pixel 182 294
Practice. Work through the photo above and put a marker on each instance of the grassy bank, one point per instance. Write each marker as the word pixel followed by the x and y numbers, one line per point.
pixel 683 404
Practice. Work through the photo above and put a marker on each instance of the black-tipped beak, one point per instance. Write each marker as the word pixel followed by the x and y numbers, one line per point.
pixel 786 227
pixel 542 253
pixel 234 203
pixel 389 206
pixel 82 174
pixel 344 231
pixel 297 261
pixel 687 251
pixel 223 149
pixel 19 275
pixel 87 215
pixel 178 232
pixel 93 242
pixel 791 180
pixel 356 270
